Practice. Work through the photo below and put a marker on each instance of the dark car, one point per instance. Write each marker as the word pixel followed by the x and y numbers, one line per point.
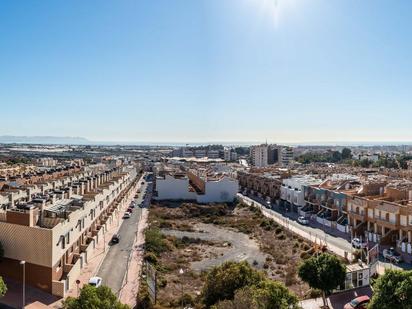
pixel 115 239
pixel 360 302
pixel 130 209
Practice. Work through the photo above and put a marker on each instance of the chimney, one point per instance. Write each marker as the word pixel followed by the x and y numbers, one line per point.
pixel 28 194
pixel 69 193
pixel 11 200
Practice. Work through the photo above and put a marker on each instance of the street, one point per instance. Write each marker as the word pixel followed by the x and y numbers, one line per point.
pixel 114 268
pixel 335 244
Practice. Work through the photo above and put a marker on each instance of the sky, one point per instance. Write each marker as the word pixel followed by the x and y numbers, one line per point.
pixel 292 71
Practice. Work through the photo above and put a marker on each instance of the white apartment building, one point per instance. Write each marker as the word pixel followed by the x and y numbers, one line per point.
pixel 259 155
pixel 286 156
pixel 292 189
pixel 229 154
pixel 189 186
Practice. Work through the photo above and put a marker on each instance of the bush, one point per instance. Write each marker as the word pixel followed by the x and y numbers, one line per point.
pixel 267 294
pixel 151 258
pixel 222 281
pixel 278 230
pixel 143 300
pixel 155 241
pixel 91 298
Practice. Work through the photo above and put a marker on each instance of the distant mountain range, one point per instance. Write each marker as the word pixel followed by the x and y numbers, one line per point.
pixel 70 140
pixel 60 140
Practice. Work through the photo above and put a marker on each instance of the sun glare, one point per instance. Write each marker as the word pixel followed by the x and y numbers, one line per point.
pixel 275 10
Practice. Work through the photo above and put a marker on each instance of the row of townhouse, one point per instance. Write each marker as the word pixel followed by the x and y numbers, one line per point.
pixel 264 184
pixel 14 180
pixel 374 207
pixel 54 226
pixel 378 210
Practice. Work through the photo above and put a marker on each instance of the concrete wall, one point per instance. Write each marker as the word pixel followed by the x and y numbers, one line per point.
pixel 32 244
pixel 221 191
pixel 171 188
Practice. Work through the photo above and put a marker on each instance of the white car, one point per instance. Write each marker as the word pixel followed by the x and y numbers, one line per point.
pixel 303 220
pixel 126 215
pixel 95 281
pixel 358 244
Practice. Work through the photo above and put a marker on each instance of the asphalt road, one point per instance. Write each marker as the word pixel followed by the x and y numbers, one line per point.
pixel 114 267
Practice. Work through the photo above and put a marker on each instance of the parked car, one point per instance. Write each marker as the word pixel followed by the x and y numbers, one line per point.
pixel 126 215
pixel 142 183
pixel 358 244
pixel 115 239
pixel 132 205
pixel 303 220
pixel 130 209
pixel 95 281
pixel 360 302
pixel 391 255
pixel 268 204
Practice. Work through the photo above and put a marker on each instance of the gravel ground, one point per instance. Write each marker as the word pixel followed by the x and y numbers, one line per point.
pixel 242 247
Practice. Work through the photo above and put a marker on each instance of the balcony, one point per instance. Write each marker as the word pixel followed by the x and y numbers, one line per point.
pixel 386 222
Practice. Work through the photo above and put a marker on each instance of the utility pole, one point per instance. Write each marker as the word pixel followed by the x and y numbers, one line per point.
pixel 23 263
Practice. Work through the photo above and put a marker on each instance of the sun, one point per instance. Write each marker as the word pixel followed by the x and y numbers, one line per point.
pixel 275 10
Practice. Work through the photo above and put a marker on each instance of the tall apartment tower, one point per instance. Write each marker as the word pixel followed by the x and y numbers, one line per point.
pixel 286 155
pixel 259 155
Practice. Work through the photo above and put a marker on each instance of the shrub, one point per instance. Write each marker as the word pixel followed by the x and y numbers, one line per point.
pixel 151 258
pixel 155 241
pixel 222 281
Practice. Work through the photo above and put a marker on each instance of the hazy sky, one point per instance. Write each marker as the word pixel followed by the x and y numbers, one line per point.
pixel 212 70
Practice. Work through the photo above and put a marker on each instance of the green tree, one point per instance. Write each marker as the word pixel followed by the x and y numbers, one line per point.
pixel 336 157
pixel 268 294
pixel 346 154
pixel 222 281
pixel 324 272
pixel 94 298
pixel 3 287
pixel 1 251
pixel 365 163
pixel 393 290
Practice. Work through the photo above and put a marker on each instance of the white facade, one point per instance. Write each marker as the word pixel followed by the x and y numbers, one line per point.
pixel 259 155
pixel 229 155
pixel 223 190
pixel 170 188
pixel 286 155
pixel 292 189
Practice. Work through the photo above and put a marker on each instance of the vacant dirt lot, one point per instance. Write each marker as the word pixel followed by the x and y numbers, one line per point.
pixel 199 237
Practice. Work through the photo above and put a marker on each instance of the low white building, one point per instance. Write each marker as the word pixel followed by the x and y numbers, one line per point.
pixel 292 191
pixel 191 187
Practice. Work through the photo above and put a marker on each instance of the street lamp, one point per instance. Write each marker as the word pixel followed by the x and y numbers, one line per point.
pixel 181 272
pixel 104 238
pixel 23 263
